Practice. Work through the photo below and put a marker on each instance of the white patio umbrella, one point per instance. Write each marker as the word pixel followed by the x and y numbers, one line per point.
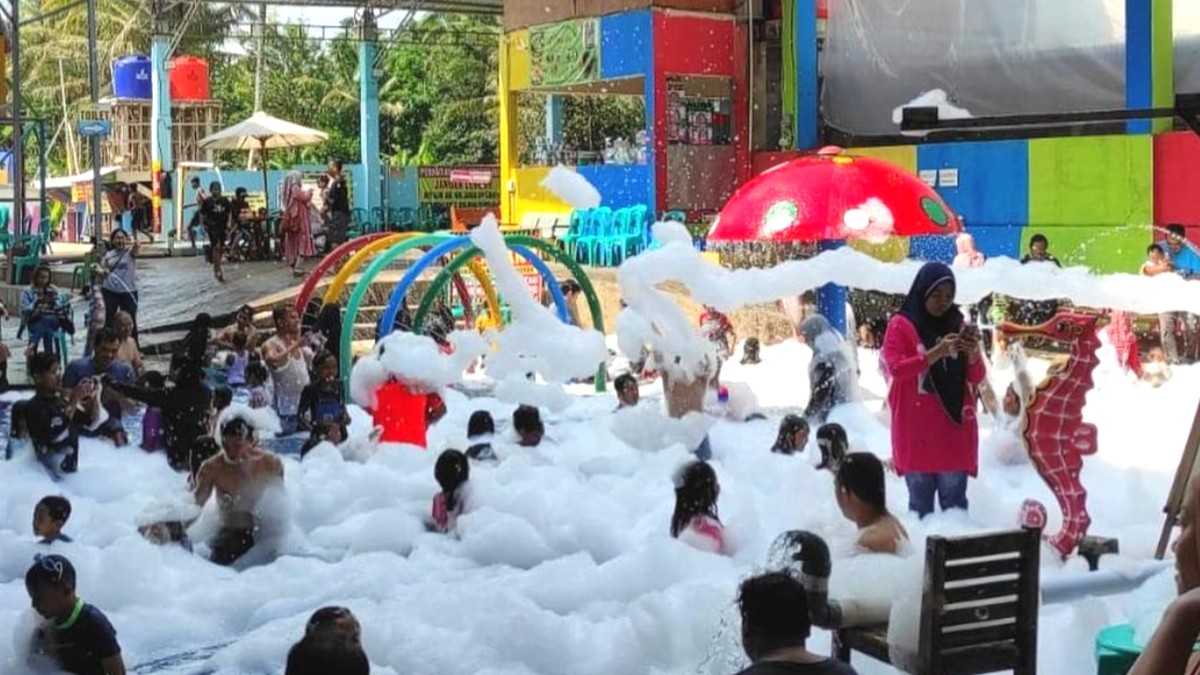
pixel 262 132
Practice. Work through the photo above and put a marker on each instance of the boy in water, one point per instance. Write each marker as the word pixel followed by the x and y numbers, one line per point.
pixel 51 420
pixel 627 391
pixel 77 636
pixel 861 496
pixel 49 517
pixel 527 423
pixel 322 402
pixel 776 627
pixel 239 476
pixel 1156 262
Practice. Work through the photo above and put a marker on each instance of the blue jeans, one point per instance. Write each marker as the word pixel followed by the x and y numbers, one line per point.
pixel 42 329
pixel 949 486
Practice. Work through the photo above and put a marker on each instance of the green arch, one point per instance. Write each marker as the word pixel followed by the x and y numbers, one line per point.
pixel 462 259
pixel 360 290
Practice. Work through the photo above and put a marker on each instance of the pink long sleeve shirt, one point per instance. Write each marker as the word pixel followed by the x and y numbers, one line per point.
pixel 924 437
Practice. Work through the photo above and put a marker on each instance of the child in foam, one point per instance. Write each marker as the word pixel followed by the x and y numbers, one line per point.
pixel 861 496
pixel 695 520
pixel 76 636
pixel 452 472
pixel 397 383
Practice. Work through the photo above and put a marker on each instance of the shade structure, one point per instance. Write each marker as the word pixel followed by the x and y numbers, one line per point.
pixel 262 132
pixel 832 195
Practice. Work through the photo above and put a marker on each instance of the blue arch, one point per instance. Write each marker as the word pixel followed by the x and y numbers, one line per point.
pixel 410 277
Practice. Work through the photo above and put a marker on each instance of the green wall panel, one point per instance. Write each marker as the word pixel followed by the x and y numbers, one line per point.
pixel 1093 198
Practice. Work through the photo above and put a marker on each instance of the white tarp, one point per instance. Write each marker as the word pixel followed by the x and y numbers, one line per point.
pixel 993 57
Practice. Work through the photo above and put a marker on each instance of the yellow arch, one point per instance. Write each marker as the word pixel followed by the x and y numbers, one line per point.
pixel 362 255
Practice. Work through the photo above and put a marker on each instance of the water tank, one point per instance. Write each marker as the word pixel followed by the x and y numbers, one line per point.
pixel 189 79
pixel 131 77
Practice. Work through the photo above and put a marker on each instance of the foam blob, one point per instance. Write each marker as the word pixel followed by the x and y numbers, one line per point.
pixel 572 188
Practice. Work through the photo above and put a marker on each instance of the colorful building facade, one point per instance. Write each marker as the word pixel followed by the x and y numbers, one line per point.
pixel 1098 198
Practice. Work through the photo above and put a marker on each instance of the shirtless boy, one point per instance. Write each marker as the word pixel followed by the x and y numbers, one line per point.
pixel 239 475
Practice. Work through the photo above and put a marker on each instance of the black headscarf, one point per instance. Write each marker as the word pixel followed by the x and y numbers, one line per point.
pixel 948 377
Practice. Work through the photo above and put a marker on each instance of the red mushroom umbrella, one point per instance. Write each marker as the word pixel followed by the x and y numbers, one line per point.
pixel 832 195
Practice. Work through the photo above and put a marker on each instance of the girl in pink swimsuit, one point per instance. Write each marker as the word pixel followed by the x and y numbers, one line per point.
pixel 695 520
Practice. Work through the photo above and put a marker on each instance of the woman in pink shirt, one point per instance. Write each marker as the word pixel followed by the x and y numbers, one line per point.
pixel 695 519
pixel 931 359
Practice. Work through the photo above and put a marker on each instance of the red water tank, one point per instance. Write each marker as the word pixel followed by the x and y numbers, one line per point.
pixel 189 79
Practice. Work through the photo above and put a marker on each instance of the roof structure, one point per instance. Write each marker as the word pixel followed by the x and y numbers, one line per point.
pixel 493 7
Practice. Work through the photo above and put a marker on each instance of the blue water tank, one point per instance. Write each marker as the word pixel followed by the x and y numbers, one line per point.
pixel 131 77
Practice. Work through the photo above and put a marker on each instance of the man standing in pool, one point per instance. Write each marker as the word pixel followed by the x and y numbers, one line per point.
pixel 239 474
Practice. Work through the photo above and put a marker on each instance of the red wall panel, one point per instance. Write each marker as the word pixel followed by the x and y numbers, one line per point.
pixel 693 45
pixel 1177 179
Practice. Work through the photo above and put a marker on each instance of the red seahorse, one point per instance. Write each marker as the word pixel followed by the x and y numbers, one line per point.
pixel 1052 427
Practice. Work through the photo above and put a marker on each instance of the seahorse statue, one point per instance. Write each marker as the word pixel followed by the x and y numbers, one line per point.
pixel 1052 425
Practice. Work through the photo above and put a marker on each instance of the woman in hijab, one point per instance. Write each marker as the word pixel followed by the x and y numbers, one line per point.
pixel 931 359
pixel 297 221
pixel 832 375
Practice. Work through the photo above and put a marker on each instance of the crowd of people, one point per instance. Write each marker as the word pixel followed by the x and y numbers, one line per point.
pixel 931 355
pixel 236 230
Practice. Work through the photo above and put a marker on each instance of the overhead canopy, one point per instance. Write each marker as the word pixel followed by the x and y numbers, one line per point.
pixel 262 131
pixel 495 7
pixel 64 182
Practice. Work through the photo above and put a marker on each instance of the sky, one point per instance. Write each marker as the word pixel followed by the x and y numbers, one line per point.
pixel 330 16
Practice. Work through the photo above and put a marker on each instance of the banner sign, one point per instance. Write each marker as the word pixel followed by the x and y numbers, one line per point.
pixel 464 187
pixel 563 54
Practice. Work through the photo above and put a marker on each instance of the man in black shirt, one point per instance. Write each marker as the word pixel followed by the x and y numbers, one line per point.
pixel 775 628
pixel 76 635
pixel 217 214
pixel 1036 312
pixel 337 201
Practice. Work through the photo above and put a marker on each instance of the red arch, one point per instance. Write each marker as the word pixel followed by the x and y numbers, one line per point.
pixel 328 262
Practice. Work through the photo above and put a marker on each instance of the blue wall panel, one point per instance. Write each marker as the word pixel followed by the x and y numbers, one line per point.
pixel 932 247
pixel 626 44
pixel 402 188
pixel 621 185
pixel 992 195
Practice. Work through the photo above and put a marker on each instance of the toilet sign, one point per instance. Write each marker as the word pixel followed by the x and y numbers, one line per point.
pixel 94 128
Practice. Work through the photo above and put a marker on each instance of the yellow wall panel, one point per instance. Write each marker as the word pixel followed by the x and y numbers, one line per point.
pixel 531 197
pixel 903 156
pixel 519 61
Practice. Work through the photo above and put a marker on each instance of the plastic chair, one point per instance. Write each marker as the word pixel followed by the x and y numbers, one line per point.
pixel 81 277
pixel 35 244
pixel 405 220
pixel 599 222
pixel 358 222
pixel 576 229
pixel 631 238
pixel 379 219
pixel 614 239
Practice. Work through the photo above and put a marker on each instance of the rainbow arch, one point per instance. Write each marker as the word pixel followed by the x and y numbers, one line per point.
pixel 442 245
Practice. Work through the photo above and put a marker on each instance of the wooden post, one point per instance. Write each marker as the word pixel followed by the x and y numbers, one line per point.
pixel 1183 474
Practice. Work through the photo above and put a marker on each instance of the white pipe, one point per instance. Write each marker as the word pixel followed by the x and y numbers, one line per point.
pixel 1100 582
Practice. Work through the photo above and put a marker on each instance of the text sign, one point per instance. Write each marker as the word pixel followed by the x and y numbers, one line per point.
pixel 94 128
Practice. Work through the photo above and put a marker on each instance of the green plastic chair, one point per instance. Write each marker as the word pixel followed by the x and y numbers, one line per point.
pixel 35 244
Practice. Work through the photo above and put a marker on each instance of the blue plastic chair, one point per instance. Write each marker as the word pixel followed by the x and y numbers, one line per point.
pixel 620 245
pixel 637 236
pixel 599 226
pixel 576 229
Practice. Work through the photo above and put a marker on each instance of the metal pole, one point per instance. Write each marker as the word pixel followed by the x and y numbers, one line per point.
pixel 258 57
pixel 94 83
pixel 18 147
